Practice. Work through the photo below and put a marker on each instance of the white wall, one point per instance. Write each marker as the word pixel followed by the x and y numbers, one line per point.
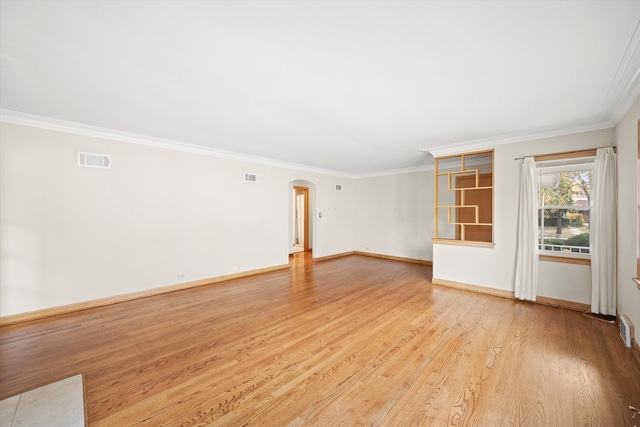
pixel 334 232
pixel 495 268
pixel 627 142
pixel 71 234
pixel 569 282
pixel 395 215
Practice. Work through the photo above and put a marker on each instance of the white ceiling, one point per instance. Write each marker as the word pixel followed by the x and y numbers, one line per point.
pixel 357 87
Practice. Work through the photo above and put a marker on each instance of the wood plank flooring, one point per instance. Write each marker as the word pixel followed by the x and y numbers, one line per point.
pixel 345 342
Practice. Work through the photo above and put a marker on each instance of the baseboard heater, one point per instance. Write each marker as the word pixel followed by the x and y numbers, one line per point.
pixel 626 330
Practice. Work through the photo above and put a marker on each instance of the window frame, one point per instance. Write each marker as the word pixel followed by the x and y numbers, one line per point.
pixel 587 157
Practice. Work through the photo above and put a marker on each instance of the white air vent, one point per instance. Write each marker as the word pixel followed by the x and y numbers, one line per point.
pixel 251 177
pixel 338 187
pixel 626 330
pixel 93 160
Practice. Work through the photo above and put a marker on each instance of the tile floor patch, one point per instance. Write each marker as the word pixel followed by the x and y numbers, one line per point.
pixel 8 410
pixel 59 404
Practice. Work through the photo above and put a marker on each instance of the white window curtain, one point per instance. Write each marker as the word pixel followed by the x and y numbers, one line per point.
pixel 526 280
pixel 603 233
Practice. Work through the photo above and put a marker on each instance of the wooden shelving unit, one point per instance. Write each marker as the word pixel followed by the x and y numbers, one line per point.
pixel 471 215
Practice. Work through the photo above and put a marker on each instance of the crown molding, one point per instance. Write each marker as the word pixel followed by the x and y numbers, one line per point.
pixel 415 169
pixel 32 120
pixel 622 93
pixel 494 141
pixel 24 119
pixel 625 85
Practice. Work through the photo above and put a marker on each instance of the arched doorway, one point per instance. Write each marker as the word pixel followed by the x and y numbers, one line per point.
pixel 301 219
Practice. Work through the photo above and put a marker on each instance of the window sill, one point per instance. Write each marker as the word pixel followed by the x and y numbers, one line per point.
pixel 489 245
pixel 565 259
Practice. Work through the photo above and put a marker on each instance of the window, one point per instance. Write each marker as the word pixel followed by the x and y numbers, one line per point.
pixel 464 199
pixel 564 206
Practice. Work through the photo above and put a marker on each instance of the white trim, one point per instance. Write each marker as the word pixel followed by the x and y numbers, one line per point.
pixel 565 168
pixel 492 142
pixel 557 254
pixel 625 86
pixel 415 169
pixel 623 91
pixel 24 119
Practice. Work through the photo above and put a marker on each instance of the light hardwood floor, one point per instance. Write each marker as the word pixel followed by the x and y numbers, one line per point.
pixel 344 342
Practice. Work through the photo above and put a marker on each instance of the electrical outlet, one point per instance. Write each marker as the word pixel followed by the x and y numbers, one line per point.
pixel 181 276
pixel 234 267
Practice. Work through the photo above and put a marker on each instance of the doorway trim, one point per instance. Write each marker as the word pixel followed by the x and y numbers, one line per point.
pixel 305 193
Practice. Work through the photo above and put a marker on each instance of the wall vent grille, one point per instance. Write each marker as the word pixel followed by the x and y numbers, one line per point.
pixel 251 177
pixel 94 160
pixel 338 187
pixel 626 330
